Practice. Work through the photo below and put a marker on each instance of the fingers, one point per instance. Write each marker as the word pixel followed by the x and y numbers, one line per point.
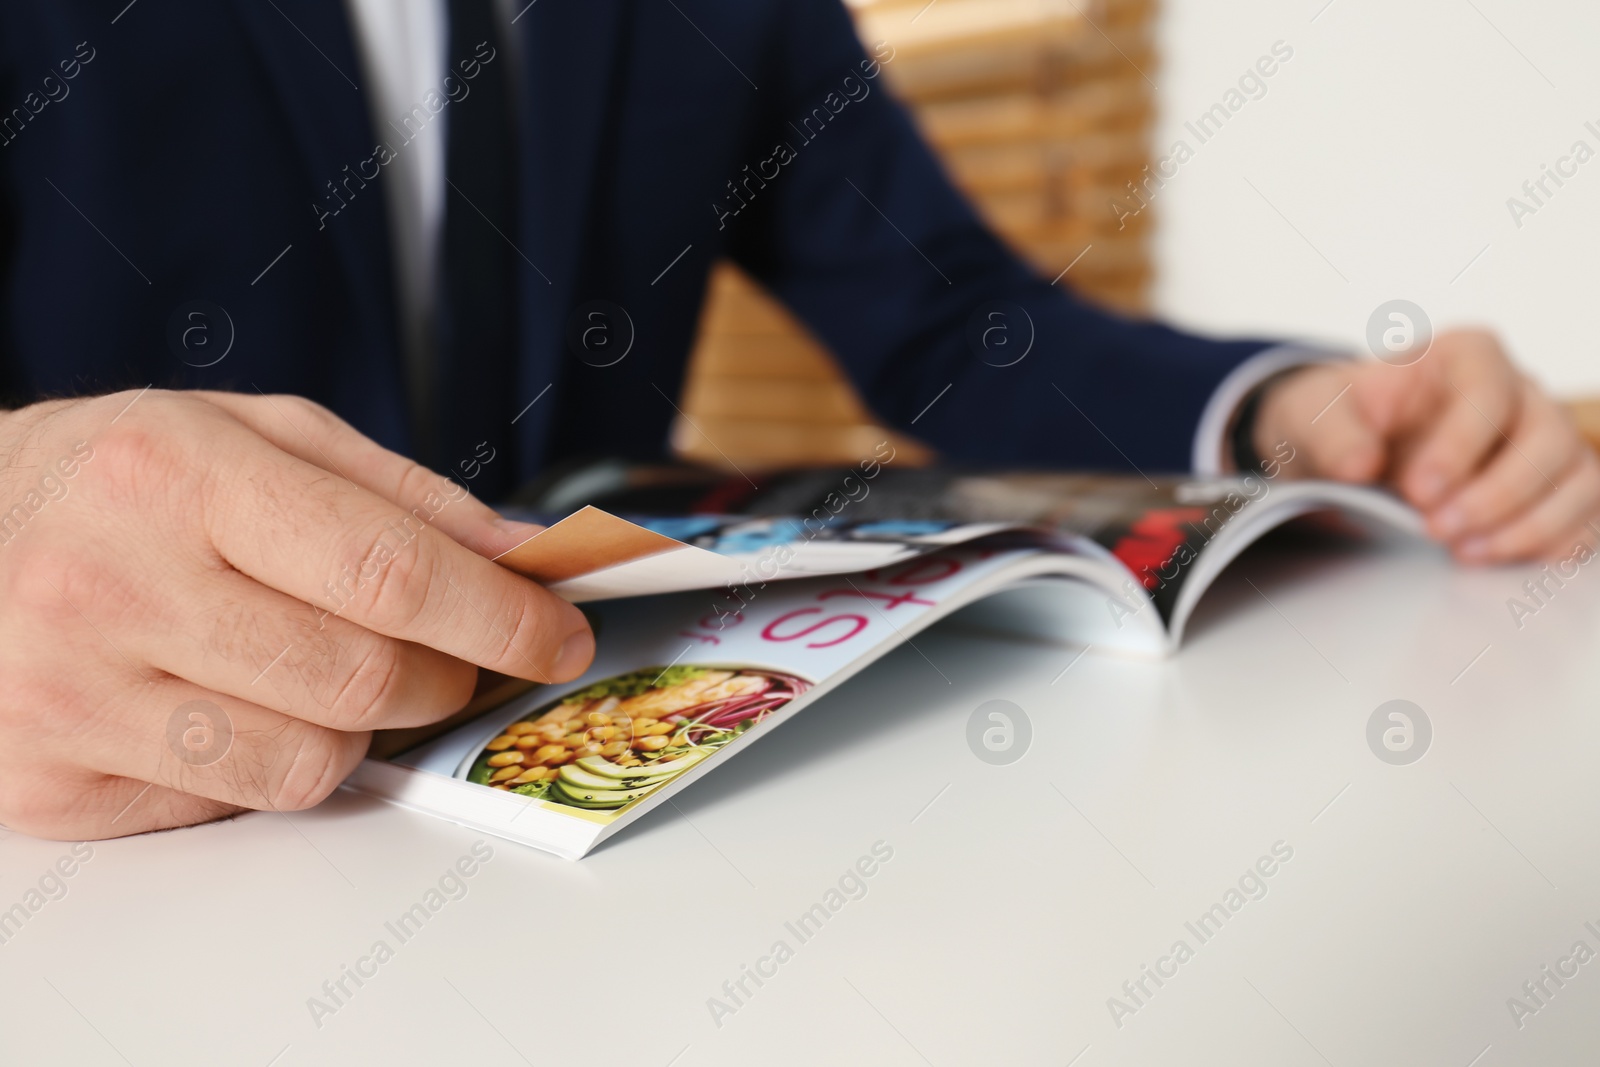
pixel 1497 466
pixel 1476 400
pixel 212 622
pixel 90 806
pixel 170 753
pixel 292 526
pixel 1544 446
pixel 260 646
pixel 1312 409
pixel 1544 528
pixel 316 435
pixel 227 751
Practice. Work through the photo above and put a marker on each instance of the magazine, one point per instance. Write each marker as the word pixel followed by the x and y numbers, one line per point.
pixel 718 617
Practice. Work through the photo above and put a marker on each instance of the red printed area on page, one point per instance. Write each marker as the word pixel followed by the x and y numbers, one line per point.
pixel 1150 543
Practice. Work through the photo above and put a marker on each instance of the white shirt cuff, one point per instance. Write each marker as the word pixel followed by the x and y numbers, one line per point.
pixel 1211 435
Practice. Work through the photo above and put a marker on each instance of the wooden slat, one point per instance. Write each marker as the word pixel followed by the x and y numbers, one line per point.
pixel 1103 263
pixel 757 445
pixel 784 357
pixel 1124 103
pixel 1085 216
pixel 832 402
pixel 959 74
pixel 969 27
pixel 1094 159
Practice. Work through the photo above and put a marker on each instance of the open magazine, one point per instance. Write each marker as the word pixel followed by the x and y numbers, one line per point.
pixel 721 609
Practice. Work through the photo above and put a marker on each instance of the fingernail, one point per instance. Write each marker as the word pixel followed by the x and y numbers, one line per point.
pixel 1473 549
pixel 577 651
pixel 512 528
pixel 1449 521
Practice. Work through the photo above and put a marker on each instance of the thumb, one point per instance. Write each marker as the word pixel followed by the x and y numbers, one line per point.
pixel 310 432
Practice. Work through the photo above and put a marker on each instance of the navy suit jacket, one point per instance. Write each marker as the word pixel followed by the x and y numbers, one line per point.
pixel 196 154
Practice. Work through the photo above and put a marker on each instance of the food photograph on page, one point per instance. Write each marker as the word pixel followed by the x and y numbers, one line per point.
pixel 617 740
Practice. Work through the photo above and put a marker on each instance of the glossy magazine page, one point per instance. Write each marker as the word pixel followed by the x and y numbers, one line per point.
pixel 696 528
pixel 679 681
pixel 595 555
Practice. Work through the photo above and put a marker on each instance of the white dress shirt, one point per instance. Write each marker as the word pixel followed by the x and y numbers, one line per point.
pixel 402 46
pixel 1210 454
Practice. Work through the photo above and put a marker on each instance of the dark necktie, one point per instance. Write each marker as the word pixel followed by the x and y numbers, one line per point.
pixel 474 377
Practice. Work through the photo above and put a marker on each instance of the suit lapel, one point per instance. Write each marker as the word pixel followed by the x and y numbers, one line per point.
pixel 568 60
pixel 308 51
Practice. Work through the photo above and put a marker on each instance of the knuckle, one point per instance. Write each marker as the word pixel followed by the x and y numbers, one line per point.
pixel 40 585
pixel 299 404
pixel 307 411
pixel 368 685
pixel 51 584
pixel 397 581
pixel 134 451
pixel 140 464
pixel 515 644
pixel 525 640
pixel 417 483
pixel 318 762
pixel 294 656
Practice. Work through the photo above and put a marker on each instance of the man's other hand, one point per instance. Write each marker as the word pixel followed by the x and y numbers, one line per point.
pixel 1497 468
pixel 208 601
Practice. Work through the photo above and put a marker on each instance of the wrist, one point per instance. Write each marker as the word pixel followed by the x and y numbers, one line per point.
pixel 1248 443
pixel 1242 450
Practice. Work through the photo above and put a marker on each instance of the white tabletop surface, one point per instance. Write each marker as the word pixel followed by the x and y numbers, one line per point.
pixel 1018 898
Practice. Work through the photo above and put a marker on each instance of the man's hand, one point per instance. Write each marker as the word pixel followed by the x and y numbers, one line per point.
pixel 1496 466
pixel 253 554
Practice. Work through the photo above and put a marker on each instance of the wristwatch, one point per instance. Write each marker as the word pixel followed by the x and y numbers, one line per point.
pixel 1241 438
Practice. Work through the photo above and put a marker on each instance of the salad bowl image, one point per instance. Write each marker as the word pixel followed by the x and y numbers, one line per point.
pixel 614 741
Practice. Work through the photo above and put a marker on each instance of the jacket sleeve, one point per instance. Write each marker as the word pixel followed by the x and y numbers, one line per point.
pixel 851 221
pixel 9 386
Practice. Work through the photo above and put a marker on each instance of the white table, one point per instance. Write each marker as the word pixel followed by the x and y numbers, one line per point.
pixel 1018 900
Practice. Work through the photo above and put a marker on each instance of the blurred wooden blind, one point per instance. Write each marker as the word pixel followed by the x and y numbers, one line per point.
pixel 1041 110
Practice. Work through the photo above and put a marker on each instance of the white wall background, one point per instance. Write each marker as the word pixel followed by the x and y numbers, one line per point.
pixel 1391 141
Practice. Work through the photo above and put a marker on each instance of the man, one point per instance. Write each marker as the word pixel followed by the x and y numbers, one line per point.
pixel 220 219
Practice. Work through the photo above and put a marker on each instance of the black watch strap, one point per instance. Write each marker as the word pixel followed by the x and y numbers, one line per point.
pixel 1246 460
